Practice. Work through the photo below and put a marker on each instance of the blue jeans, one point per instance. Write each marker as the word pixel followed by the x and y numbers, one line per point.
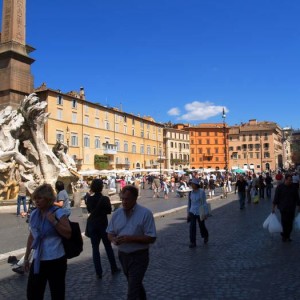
pixel 269 190
pixel 21 200
pixel 97 234
pixel 242 198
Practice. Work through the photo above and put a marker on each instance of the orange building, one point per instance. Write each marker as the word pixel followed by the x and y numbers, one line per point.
pixel 208 145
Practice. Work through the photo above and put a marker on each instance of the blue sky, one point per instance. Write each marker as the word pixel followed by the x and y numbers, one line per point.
pixel 175 60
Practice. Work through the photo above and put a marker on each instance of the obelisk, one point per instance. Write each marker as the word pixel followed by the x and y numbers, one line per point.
pixel 16 79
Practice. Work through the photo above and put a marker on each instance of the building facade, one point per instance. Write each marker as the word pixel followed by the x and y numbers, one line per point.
pixel 255 146
pixel 176 147
pixel 208 146
pixel 98 136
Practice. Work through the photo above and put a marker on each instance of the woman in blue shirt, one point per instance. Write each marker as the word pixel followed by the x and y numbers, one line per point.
pixel 197 212
pixel 47 225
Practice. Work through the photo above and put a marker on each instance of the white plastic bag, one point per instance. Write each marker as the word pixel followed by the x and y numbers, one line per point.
pixel 267 221
pixel 297 222
pixel 274 224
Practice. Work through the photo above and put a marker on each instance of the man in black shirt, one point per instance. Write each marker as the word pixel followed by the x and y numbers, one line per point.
pixel 240 186
pixel 286 199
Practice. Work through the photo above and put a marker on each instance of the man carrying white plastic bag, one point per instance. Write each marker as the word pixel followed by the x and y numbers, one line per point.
pixel 286 199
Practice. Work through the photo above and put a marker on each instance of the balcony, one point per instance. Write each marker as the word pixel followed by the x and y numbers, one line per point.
pixel 110 149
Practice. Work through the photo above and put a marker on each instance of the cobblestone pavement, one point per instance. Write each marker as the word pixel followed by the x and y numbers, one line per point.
pixel 241 261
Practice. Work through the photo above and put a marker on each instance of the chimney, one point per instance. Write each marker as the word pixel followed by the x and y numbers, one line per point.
pixel 81 93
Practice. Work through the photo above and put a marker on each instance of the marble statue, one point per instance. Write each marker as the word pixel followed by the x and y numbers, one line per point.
pixel 24 152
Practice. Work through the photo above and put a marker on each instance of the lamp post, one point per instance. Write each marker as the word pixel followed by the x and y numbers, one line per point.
pixel 68 136
pixel 225 144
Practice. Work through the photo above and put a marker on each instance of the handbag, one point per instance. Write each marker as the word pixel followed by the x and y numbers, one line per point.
pixel 74 245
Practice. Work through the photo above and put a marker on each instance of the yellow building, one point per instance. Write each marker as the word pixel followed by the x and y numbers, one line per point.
pixel 116 139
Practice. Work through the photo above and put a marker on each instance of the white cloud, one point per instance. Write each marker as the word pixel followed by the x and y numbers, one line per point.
pixel 197 111
pixel 174 111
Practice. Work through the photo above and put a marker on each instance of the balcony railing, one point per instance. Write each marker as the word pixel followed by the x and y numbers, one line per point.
pixel 109 149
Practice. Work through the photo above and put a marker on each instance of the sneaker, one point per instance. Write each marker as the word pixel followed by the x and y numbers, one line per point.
pixel 18 269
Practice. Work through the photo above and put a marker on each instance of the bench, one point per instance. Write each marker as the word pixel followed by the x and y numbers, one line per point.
pixel 115 204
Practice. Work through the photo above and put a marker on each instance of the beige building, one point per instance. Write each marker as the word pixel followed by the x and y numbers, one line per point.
pixel 256 146
pixel 98 136
pixel 176 147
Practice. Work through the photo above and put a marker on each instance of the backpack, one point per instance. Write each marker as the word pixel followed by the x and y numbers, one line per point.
pixel 74 245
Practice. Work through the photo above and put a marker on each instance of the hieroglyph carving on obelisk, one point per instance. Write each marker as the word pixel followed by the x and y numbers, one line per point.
pixel 13 21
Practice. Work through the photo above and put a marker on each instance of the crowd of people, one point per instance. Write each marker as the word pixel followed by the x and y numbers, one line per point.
pixel 132 227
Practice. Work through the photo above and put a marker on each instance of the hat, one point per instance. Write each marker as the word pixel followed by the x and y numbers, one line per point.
pixel 195 181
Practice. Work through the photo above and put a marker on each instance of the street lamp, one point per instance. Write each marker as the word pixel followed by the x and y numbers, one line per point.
pixel 68 136
pixel 225 144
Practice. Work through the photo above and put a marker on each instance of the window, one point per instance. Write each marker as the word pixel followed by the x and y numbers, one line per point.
pixel 216 150
pixel 86 120
pixel 97 142
pixel 142 134
pixel 238 148
pixel 217 158
pixel 257 155
pixel 132 132
pixel 199 142
pixel 207 141
pixel 192 133
pixel 216 141
pixel 117 128
pixel 256 137
pixel 234 155
pixel 132 121
pixel 230 148
pixel 266 155
pixel 117 143
pixel 250 137
pixel 125 129
pixel 97 123
pixel 74 117
pixel 244 138
pixel 59 114
pixel 142 150
pixel 59 100
pixel 266 136
pixel 216 134
pixel 74 139
pixel 59 135
pixel 86 108
pixel 148 150
pixel 125 146
pixel 106 125
pixel 86 141
pixel 125 119
pixel 74 103
pixel 97 112
pixel 133 148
